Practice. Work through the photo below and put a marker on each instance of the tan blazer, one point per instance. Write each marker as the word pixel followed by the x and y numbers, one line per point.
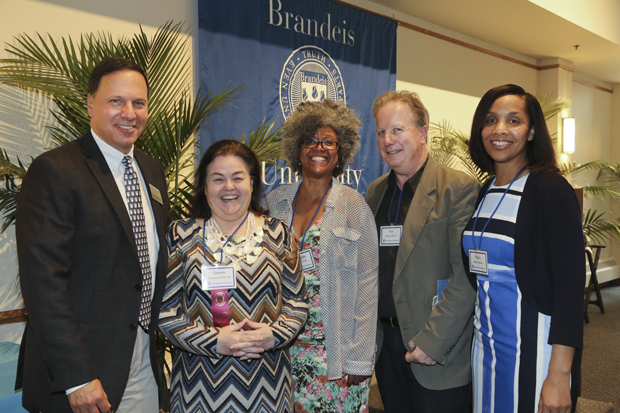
pixel 430 251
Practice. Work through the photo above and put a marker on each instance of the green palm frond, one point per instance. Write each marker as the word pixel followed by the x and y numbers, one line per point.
pixel 165 58
pixel 573 168
pixel 610 174
pixel 550 105
pixel 8 195
pixel 595 191
pixel 8 202
pixel 266 142
pixel 604 191
pixel 60 70
pixel 441 141
pixel 599 230
pixel 449 146
pixel 9 168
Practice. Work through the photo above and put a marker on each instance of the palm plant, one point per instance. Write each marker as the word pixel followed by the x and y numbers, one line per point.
pixel 449 146
pixel 59 70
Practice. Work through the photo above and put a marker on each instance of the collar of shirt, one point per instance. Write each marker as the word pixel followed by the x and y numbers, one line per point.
pixel 412 182
pixel 112 156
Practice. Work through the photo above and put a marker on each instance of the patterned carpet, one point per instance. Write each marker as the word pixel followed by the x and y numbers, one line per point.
pixel 601 355
pixel 601 359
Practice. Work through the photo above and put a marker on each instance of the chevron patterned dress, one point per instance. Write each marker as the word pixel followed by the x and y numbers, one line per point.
pixel 271 290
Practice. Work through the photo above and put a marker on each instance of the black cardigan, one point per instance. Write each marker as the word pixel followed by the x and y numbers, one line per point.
pixel 550 262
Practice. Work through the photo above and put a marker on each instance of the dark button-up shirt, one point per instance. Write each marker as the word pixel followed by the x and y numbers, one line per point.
pixel 392 212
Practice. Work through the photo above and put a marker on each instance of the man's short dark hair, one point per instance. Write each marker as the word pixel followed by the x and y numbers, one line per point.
pixel 110 65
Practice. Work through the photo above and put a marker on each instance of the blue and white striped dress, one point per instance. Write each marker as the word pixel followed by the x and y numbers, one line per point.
pixel 510 354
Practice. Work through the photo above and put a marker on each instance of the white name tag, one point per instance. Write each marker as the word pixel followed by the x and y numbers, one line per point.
pixel 218 278
pixel 478 262
pixel 307 260
pixel 390 235
pixel 156 194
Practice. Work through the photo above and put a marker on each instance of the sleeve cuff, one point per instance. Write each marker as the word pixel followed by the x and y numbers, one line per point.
pixel 72 389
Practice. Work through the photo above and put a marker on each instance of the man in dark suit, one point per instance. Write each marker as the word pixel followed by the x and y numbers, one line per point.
pixel 425 301
pixel 92 273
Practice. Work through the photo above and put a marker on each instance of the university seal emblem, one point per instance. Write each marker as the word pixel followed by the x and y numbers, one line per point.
pixel 309 74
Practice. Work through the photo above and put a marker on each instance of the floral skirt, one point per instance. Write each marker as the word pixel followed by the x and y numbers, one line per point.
pixel 314 393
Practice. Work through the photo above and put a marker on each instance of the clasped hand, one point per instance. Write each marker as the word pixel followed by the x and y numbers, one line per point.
pixel 416 355
pixel 234 341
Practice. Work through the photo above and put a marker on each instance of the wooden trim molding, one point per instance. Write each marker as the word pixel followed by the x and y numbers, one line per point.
pixel 592 85
pixel 13 316
pixel 557 66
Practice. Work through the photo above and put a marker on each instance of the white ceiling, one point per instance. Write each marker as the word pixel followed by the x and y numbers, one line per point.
pixel 523 27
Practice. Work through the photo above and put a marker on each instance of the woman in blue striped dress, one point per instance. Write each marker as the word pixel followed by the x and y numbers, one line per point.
pixel 525 256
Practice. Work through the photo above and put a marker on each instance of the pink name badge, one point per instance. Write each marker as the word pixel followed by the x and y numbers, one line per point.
pixel 219 307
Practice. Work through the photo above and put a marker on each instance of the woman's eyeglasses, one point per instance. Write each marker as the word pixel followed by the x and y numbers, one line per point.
pixel 313 144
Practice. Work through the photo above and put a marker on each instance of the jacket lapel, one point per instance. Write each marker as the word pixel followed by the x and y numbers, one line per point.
pixel 150 175
pixel 422 204
pixel 375 198
pixel 100 170
pixel 285 203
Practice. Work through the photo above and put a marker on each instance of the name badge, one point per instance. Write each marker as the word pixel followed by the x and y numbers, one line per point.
pixel 478 262
pixel 390 236
pixel 156 194
pixel 307 260
pixel 218 278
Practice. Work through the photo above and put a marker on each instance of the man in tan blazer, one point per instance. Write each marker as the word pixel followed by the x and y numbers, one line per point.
pixel 426 304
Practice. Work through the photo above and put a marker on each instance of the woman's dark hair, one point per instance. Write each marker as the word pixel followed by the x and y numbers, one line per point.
pixel 310 116
pixel 539 151
pixel 200 207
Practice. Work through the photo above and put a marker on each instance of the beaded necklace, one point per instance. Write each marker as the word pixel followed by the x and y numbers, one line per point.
pixel 247 248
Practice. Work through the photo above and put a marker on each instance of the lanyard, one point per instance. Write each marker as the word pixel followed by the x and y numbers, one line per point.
pixel 494 211
pixel 204 251
pixel 398 210
pixel 313 216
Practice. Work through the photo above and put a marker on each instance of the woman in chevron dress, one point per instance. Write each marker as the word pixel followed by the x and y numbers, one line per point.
pixel 525 256
pixel 333 357
pixel 235 294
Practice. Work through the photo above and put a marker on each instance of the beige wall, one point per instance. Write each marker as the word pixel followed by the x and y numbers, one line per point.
pixel 592 111
pixel 615 154
pixel 450 78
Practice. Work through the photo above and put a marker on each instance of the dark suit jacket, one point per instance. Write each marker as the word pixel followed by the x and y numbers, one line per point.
pixel 80 274
pixel 430 251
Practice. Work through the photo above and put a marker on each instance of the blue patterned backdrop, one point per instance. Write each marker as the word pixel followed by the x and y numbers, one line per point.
pixel 287 51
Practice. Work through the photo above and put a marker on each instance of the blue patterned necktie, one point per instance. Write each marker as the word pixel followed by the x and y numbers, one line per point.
pixel 136 214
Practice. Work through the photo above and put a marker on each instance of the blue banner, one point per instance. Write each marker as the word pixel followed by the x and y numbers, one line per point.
pixel 288 51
